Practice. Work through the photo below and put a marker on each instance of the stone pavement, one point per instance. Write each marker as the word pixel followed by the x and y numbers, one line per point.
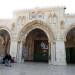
pixel 29 68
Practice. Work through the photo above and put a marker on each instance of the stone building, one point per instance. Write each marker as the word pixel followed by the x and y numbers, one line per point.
pixel 40 34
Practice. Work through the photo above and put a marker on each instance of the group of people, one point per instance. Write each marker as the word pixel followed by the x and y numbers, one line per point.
pixel 7 60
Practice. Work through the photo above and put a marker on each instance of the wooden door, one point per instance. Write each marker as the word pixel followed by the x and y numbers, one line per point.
pixel 41 50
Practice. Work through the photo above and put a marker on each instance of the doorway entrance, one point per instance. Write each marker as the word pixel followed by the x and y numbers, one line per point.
pixel 35 47
pixel 70 47
pixel 41 50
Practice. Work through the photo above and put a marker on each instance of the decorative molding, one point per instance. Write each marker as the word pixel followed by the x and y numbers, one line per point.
pixel 21 20
pixel 13 26
pixel 52 18
pixel 36 15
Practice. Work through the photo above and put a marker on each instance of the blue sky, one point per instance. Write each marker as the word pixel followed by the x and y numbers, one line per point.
pixel 7 7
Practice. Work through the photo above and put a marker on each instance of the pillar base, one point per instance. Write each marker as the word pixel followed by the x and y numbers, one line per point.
pixel 59 63
pixel 60 53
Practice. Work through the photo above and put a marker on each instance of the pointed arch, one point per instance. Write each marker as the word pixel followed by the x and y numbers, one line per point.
pixel 68 30
pixel 5 41
pixel 33 25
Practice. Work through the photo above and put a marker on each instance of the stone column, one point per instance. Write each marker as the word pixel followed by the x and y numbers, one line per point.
pixel 53 52
pixel 49 54
pixel 60 53
pixel 13 48
pixel 19 52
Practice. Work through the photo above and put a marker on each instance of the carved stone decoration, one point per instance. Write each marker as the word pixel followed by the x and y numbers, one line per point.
pixel 32 15
pixel 54 18
pixel 36 15
pixel 13 26
pixel 21 20
pixel 40 15
pixel 50 18
pixel 62 24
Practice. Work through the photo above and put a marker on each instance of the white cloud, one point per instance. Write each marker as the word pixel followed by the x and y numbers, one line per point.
pixel 7 7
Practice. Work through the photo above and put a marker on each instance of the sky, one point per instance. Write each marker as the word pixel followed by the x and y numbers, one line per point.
pixel 7 7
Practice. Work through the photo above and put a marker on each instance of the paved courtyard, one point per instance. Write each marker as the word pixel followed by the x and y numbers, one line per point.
pixel 29 68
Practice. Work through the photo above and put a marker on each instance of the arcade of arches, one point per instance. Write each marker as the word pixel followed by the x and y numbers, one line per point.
pixel 39 35
pixel 36 46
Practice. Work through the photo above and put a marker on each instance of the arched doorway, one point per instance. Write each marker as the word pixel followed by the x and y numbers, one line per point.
pixel 70 46
pixel 36 47
pixel 4 42
pixel 33 28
